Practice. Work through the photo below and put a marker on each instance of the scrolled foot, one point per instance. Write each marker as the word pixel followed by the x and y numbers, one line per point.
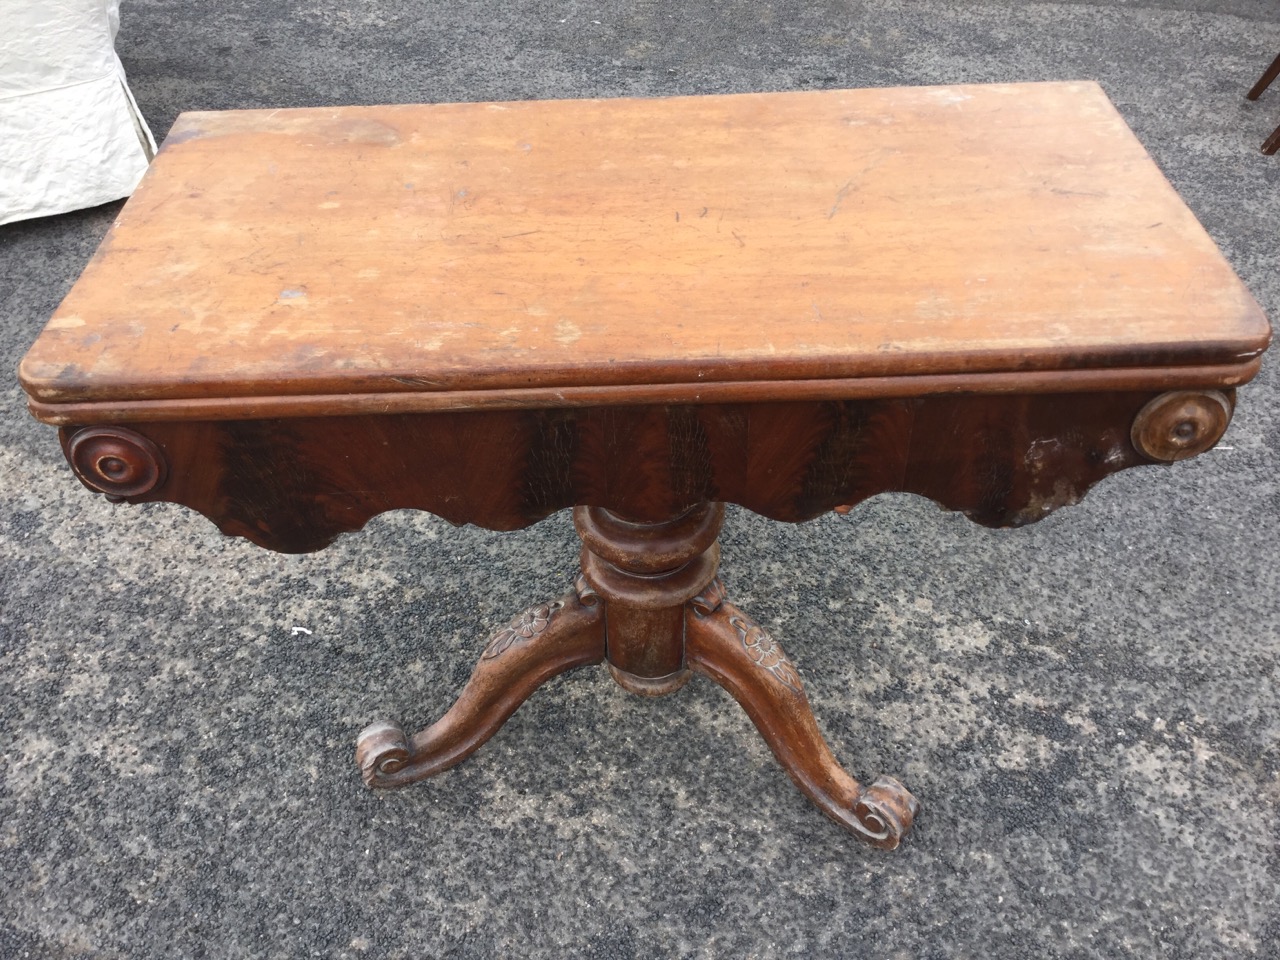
pixel 726 645
pixel 886 811
pixel 382 748
pixel 542 642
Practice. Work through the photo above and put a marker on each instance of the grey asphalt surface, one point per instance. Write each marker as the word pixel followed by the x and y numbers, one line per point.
pixel 1087 708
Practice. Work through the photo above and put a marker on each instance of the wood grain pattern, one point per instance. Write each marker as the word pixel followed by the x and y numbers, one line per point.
pixel 295 484
pixel 474 252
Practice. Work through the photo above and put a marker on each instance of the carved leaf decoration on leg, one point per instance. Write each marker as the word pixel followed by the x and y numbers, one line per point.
pixel 767 653
pixel 522 629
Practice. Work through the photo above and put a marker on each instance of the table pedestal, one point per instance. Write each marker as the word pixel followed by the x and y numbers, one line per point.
pixel 649 605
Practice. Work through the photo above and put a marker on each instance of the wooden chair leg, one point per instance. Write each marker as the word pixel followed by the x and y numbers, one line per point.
pixel 1264 81
pixel 1272 143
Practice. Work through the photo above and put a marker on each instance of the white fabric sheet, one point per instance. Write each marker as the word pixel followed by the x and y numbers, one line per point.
pixel 71 135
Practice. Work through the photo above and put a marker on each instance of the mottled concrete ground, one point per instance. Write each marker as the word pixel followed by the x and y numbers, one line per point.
pixel 1087 708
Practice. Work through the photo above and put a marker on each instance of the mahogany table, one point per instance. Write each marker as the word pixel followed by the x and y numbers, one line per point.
pixel 644 309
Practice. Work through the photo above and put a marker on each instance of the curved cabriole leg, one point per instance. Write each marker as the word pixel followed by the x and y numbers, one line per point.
pixel 543 642
pixel 723 643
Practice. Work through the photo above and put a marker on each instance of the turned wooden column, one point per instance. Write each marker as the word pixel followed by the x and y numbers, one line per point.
pixel 646 572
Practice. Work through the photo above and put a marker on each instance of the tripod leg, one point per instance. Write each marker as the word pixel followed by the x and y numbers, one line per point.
pixel 544 641
pixel 723 643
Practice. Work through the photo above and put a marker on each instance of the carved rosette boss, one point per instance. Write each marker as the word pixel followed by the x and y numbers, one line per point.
pixel 1181 424
pixel 116 461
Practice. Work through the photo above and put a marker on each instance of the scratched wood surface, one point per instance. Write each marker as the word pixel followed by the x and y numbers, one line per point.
pixel 496 254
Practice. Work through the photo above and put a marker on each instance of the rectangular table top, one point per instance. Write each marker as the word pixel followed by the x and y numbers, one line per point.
pixel 847 242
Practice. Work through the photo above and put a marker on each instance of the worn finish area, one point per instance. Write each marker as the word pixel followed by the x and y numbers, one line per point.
pixel 1087 706
pixel 460 249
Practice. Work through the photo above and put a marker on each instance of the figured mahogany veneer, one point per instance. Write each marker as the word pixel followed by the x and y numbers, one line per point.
pixel 643 310
pixel 293 485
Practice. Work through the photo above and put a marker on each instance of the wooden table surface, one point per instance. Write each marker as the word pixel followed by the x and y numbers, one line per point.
pixel 884 242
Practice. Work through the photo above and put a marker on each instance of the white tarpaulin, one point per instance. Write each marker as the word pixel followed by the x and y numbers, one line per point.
pixel 70 134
